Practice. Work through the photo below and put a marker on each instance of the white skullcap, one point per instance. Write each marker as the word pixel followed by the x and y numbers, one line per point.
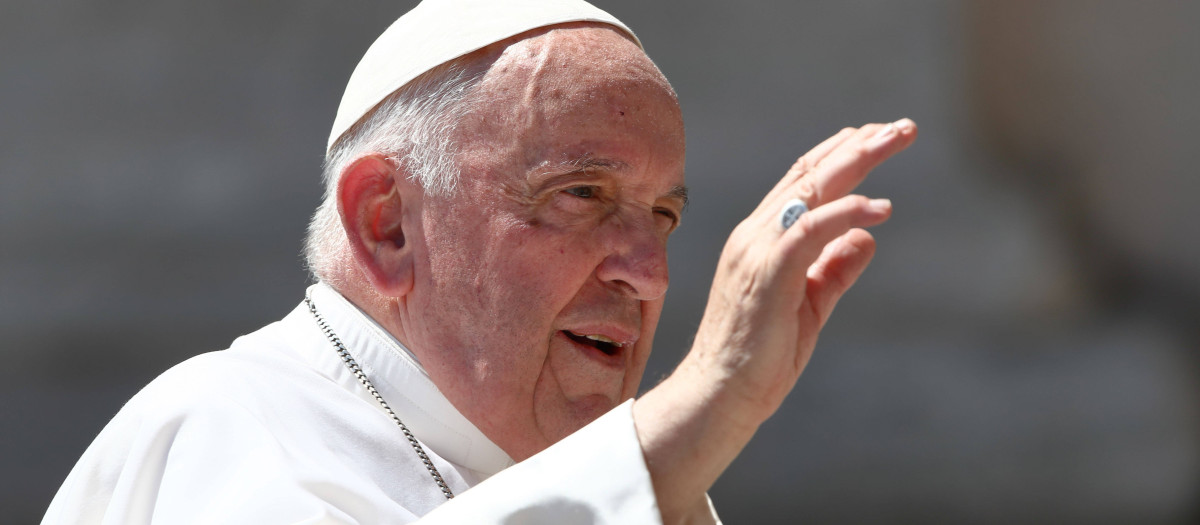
pixel 437 31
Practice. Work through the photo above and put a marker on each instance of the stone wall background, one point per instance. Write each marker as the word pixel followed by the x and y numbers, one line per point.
pixel 1022 349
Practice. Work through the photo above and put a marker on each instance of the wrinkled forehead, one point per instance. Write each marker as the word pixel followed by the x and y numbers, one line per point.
pixel 571 94
pixel 580 72
pixel 573 54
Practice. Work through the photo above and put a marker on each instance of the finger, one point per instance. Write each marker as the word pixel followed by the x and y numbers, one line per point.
pixel 817 154
pixel 789 187
pixel 844 169
pixel 805 163
pixel 836 270
pixel 840 265
pixel 803 243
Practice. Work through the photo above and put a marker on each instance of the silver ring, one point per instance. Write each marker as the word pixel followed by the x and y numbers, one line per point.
pixel 792 210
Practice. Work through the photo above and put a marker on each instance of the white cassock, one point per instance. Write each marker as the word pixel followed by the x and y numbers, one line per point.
pixel 276 429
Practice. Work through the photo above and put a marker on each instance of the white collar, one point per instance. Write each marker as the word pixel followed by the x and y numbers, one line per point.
pixel 405 385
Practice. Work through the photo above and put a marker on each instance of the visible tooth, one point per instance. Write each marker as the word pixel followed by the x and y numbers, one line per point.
pixel 603 339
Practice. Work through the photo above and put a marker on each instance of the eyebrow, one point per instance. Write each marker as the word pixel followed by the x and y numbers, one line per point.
pixel 587 162
pixel 679 192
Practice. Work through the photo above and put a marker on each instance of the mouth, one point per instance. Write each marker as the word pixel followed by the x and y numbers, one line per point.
pixel 600 342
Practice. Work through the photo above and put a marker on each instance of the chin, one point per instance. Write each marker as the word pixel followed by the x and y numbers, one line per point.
pixel 558 424
pixel 586 410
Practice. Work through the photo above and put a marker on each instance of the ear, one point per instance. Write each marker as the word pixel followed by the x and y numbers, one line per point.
pixel 380 213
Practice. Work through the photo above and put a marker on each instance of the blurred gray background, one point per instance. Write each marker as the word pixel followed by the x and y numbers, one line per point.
pixel 1022 349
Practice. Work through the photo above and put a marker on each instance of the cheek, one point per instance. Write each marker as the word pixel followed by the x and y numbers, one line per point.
pixel 523 279
pixel 651 311
pixel 553 261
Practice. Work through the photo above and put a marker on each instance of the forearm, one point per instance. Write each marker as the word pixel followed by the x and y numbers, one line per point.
pixel 687 442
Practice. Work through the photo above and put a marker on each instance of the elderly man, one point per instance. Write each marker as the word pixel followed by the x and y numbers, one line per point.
pixel 491 255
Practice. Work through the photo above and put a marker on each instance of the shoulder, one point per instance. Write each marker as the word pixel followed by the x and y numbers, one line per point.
pixel 257 368
pixel 206 404
pixel 208 431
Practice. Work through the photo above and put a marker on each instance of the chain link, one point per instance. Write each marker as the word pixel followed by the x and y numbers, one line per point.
pixel 362 378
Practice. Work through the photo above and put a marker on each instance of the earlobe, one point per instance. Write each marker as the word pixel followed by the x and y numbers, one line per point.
pixel 378 213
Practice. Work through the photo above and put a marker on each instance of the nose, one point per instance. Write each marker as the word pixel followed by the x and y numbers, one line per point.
pixel 637 258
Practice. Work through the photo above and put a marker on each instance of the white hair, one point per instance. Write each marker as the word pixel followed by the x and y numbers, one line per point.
pixel 414 128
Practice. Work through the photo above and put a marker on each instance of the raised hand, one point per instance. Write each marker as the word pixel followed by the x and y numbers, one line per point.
pixel 773 291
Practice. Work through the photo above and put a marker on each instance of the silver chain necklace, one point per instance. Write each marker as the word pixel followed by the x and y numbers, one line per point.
pixel 362 378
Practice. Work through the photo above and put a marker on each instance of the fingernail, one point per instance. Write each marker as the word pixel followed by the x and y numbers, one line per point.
pixel 886 132
pixel 905 125
pixel 880 205
pixel 883 135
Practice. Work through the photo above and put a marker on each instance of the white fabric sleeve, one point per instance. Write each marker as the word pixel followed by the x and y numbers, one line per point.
pixel 595 476
pixel 217 463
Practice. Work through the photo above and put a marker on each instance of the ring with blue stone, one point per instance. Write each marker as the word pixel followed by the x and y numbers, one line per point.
pixel 792 210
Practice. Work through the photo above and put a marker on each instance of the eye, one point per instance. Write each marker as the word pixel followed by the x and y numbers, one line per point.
pixel 583 192
pixel 669 216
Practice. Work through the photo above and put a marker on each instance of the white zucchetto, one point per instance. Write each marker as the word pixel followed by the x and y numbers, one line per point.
pixel 437 31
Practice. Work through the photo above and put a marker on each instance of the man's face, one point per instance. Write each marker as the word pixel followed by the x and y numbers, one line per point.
pixel 553 247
